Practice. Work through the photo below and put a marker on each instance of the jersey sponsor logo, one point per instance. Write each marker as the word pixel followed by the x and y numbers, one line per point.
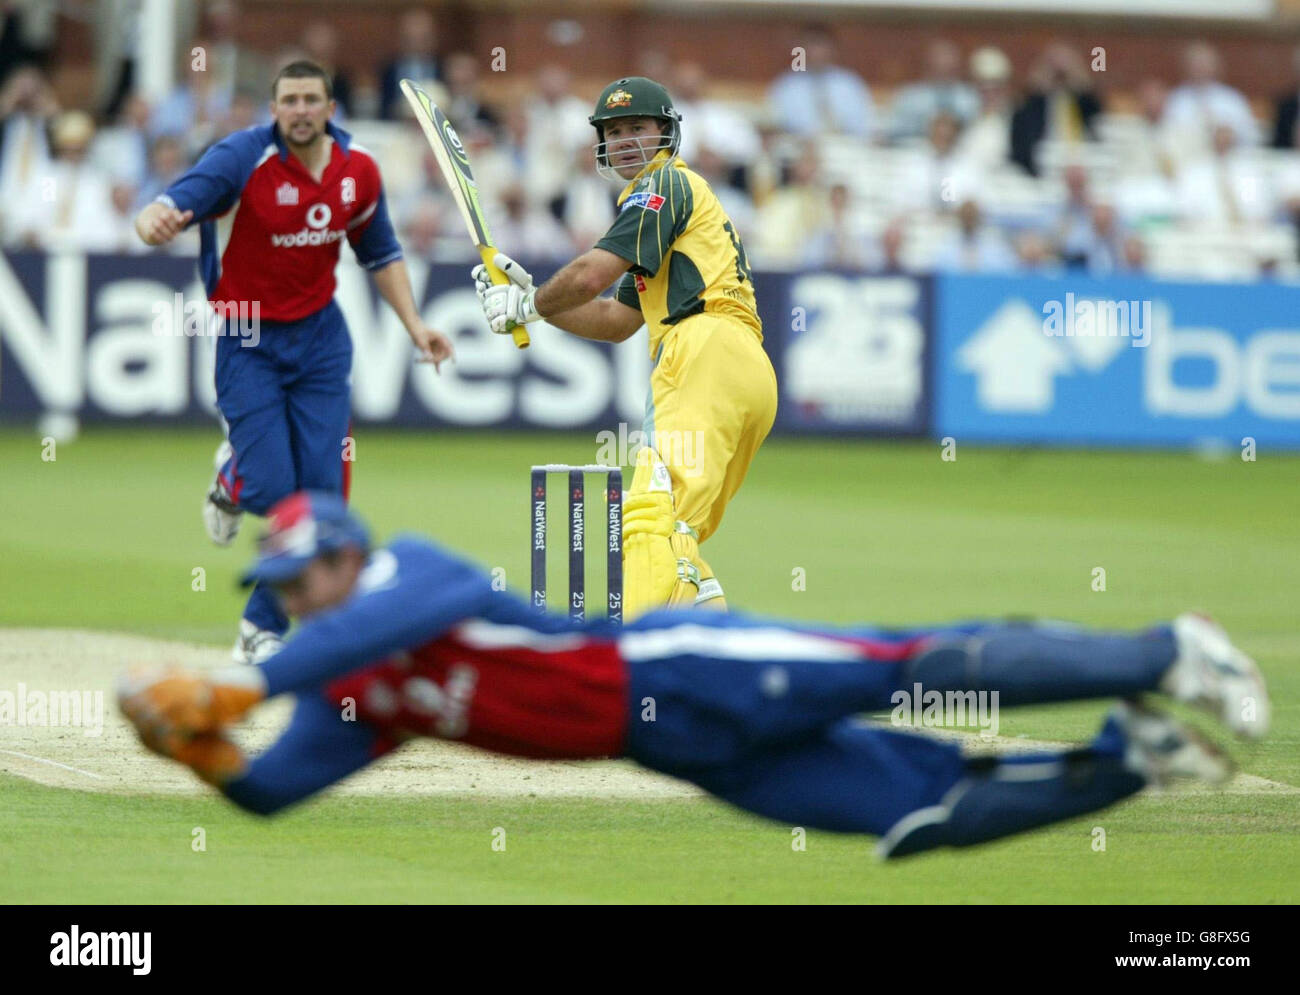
pixel 639 280
pixel 347 190
pixel 619 98
pixel 286 194
pixel 650 201
pixel 304 236
pixel 318 215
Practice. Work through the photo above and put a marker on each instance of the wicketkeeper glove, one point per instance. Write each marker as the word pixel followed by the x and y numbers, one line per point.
pixel 505 303
pixel 176 700
pixel 210 755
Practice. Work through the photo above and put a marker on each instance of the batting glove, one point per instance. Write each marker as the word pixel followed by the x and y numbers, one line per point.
pixel 506 304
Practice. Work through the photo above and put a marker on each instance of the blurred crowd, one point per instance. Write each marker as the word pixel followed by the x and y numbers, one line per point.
pixel 965 168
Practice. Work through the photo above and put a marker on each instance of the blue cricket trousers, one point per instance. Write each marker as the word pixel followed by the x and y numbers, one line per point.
pixel 287 404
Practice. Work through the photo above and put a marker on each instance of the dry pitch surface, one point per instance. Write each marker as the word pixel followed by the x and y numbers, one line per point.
pixel 114 761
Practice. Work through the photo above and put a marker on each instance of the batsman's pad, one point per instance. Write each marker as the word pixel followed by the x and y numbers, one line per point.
pixel 696 584
pixel 649 562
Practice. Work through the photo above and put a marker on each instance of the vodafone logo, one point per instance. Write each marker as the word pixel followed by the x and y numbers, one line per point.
pixel 316 232
pixel 318 215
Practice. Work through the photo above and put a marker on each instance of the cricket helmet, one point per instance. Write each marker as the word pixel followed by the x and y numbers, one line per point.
pixel 635 96
pixel 301 527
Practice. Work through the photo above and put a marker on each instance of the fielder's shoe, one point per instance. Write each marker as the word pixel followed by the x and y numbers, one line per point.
pixel 1160 748
pixel 255 645
pixel 220 513
pixel 1212 673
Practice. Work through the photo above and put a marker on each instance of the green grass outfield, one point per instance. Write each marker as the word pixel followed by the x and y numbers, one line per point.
pixel 107 536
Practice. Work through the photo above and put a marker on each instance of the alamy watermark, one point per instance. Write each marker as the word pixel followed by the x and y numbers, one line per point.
pixel 1090 316
pixel 678 450
pixel 933 709
pixel 72 709
pixel 183 318
pixel 76 948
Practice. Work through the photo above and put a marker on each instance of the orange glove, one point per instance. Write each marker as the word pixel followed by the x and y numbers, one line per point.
pixel 210 755
pixel 187 702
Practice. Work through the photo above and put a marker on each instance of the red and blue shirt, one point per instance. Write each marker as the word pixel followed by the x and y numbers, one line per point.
pixel 269 232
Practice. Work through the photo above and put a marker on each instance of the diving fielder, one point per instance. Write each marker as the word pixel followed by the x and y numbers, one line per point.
pixel 409 640
pixel 291 192
pixel 682 272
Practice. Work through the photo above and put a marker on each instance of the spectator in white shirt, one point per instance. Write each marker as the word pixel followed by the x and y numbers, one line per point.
pixel 556 129
pixel 942 91
pixel 892 242
pixel 1105 252
pixel 1201 102
pixel 426 214
pixel 1073 222
pixel 122 149
pixel 986 142
pixel 586 205
pixel 1133 255
pixel 1226 187
pixel 73 208
pixel 1149 153
pixel 841 243
pixel 711 122
pixel 975 247
pixel 193 111
pixel 938 177
pixel 527 232
pixel 818 97
pixel 1036 254
pixel 507 160
pixel 166 163
pixel 26 106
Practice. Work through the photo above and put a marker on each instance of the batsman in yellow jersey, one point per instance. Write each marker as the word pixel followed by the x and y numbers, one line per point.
pixel 682 272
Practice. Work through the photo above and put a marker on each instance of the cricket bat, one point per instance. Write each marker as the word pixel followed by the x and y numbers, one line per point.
pixel 454 163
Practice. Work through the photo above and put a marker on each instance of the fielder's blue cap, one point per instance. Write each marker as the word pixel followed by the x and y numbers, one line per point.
pixel 301 527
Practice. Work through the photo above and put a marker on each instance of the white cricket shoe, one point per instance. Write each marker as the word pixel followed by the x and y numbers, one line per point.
pixel 1212 673
pixel 1160 748
pixel 221 515
pixel 255 645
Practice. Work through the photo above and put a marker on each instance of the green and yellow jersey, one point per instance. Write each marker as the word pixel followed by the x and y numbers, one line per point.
pixel 686 256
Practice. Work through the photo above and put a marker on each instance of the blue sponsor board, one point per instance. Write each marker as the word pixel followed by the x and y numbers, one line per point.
pixel 1119 361
pixel 126 337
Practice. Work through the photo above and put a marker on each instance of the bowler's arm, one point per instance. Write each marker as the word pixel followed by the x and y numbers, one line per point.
pixel 209 187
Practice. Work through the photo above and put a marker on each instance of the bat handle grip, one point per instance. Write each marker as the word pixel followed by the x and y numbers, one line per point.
pixel 518 332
